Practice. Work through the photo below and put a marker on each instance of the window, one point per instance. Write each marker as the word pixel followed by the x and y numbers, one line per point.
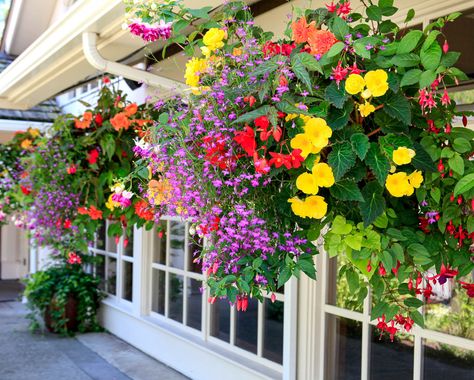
pixel 178 296
pixel 115 263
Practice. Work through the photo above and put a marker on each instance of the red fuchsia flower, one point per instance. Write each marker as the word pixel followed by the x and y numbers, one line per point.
pixel 261 164
pixel 67 224
pixel 440 166
pixel 447 128
pixel 395 270
pixel 382 271
pixel 106 80
pixel 71 169
pixel 212 300
pixel 451 228
pixel 73 258
pixel 117 240
pixel 344 10
pixel 445 47
pixel 469 288
pixel 246 139
pixel 25 190
pixel 464 120
pixel 423 224
pixel 445 99
pixel 242 303
pixel 355 70
pixel 459 200
pixel 125 243
pixel 443 275
pixel 410 284
pixel 92 156
pixel 426 100
pixel 427 292
pixel 369 267
pixel 339 73
pixel 273 297
pixel 331 7
pixel 460 234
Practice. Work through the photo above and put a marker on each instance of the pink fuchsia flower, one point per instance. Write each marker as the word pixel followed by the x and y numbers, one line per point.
pixel 445 99
pixel 73 258
pixel 339 73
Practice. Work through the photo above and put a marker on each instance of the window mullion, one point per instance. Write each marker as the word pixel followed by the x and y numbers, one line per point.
pixel 260 327
pixel 232 325
pixel 365 355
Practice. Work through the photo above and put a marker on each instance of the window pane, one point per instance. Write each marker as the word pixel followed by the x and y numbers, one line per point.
pixel 177 252
pixel 247 327
pixel 338 293
pixel 175 297
pixel 450 310
pixel 128 248
pixel 220 320
pixel 442 361
pixel 100 237
pixel 193 290
pixel 158 291
pixel 159 254
pixel 100 270
pixel 273 331
pixel 391 360
pixel 111 275
pixel 127 285
pixel 343 348
pixel 193 252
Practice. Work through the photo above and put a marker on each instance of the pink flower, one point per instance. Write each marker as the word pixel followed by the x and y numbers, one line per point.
pixel 73 258
pixel 445 99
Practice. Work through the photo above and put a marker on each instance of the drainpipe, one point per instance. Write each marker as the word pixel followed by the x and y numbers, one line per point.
pixel 89 45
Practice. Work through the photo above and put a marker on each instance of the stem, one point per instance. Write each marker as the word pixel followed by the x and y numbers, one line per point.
pixel 374 132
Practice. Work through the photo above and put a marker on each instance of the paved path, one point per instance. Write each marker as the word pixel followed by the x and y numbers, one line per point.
pixel 26 356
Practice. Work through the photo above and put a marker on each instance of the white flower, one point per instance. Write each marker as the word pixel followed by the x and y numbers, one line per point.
pixel 127 194
pixel 118 188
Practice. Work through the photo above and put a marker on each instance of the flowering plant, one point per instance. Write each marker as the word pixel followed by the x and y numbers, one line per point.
pixel 342 130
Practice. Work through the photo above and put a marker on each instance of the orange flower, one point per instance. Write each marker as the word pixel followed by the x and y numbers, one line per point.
pixel 131 109
pixel 302 30
pixel 85 122
pixel 94 213
pixel 320 41
pixel 26 144
pixel 120 121
pixel 83 211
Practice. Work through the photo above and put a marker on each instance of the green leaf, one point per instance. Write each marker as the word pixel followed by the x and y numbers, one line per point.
pixel 410 77
pixel 339 226
pixel 374 204
pixel 436 194
pixel 409 42
pixel 338 118
pixel 310 62
pixel 450 58
pixel 374 13
pixel 267 66
pixel 413 302
pixel 464 185
pixel 387 26
pixel 431 57
pixel 346 190
pixel 340 28
pixel 387 260
pixel 422 160
pixel 354 241
pixel 252 115
pixel 336 49
pixel 406 60
pixel 301 73
pixel 360 144
pixel 361 51
pixel 417 318
pixel 164 118
pixel 200 13
pixel 180 25
pixel 337 96
pixel 456 163
pixel 378 163
pixel 461 145
pixel 454 71
pixel 352 280
pixel 284 276
pixel 385 3
pixel 306 264
pixel 417 249
pixel 341 159
pixel 410 15
pixel 107 143
pixel 430 39
pixel 379 309
pixel 398 107
pixel 426 78
pixel 381 221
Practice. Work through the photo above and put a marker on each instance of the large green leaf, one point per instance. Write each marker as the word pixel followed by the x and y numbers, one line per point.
pixel 378 163
pixel 450 58
pixel 410 77
pixel 360 144
pixel 346 190
pixel 341 159
pixel 431 57
pixel 456 163
pixel 398 107
pixel 337 96
pixel 340 28
pixel 335 49
pixel 338 118
pixel 310 62
pixel 406 60
pixel 374 13
pixel 464 185
pixel 374 204
pixel 422 159
pixel 409 41
pixel 426 78
pixel 301 73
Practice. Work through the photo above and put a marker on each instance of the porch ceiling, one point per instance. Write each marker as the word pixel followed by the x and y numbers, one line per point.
pixel 55 61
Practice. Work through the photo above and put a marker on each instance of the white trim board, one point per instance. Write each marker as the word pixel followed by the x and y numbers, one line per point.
pixel 21 125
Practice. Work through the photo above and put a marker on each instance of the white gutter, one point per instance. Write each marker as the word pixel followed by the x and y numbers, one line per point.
pixel 89 46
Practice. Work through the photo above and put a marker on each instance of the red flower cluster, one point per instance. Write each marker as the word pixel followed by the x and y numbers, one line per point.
pixel 92 156
pixel 271 49
pixel 92 211
pixel 242 303
pixel 74 258
pixel 216 152
pixel 25 190
pixel 389 326
pixel 143 210
pixel 342 10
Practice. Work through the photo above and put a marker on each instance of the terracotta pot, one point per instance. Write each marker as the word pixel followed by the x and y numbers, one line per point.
pixel 70 313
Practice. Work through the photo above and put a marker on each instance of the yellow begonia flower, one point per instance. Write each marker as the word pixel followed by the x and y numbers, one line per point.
pixel 318 132
pixel 366 94
pixel 403 155
pixel 415 179
pixel 194 68
pixel 306 182
pixel 398 185
pixel 213 39
pixel 393 168
pixel 298 207
pixel 354 84
pixel 366 109
pixel 376 81
pixel 316 207
pixel 303 142
pixel 34 132
pixel 324 175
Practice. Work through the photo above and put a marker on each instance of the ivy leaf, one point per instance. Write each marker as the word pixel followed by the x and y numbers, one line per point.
pixel 431 57
pixel 398 107
pixel 346 190
pixel 410 77
pixel 341 159
pixel 464 185
pixel 409 41
pixel 337 96
pixel 252 115
pixel 374 204
pixel 360 144
pixel 338 118
pixel 378 163
pixel 301 73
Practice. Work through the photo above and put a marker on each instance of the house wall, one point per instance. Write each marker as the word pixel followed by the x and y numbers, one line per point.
pixel 14 253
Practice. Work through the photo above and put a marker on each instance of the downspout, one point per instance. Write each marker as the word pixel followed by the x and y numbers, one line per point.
pixel 89 45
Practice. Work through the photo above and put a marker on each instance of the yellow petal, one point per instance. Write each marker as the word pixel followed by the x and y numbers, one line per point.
pixel 316 207
pixel 403 155
pixel 306 182
pixel 354 84
pixel 323 174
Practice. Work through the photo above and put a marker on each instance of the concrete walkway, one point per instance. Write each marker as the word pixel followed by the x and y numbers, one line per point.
pixel 26 356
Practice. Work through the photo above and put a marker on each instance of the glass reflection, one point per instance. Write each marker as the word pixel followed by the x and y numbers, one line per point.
pixel 158 291
pixel 273 331
pixel 111 275
pixel 220 320
pixel 194 299
pixel 127 286
pixel 128 248
pixel 159 252
pixel 177 241
pixel 442 361
pixel 247 326
pixel 175 297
